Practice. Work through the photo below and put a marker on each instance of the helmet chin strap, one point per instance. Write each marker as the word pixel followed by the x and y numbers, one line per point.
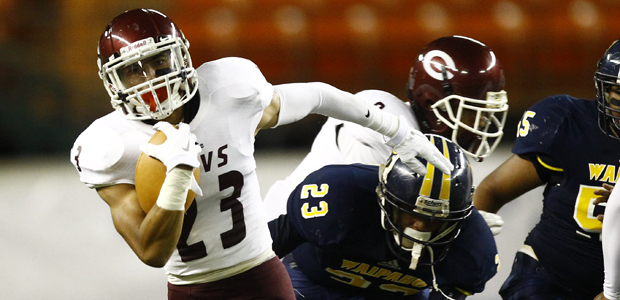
pixel 435 286
pixel 409 245
pixel 416 248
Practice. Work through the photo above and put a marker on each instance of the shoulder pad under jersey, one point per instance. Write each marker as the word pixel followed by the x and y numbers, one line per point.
pixel 239 77
pixel 538 129
pixel 332 202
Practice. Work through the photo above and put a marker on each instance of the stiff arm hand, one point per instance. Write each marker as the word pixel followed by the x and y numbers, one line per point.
pixel 409 143
pixel 294 101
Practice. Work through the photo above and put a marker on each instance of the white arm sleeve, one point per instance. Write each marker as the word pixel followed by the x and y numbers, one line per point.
pixel 298 100
pixel 611 246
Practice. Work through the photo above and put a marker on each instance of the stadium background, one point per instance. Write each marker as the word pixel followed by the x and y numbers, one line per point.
pixel 56 236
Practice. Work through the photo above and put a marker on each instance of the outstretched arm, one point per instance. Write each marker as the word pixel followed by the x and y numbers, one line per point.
pixel 294 101
pixel 516 176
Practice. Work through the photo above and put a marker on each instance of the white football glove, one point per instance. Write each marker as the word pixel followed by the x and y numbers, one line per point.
pixel 180 147
pixel 494 221
pixel 409 143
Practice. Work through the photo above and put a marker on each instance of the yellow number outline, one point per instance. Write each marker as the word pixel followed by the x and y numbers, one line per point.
pixel 525 129
pixel 584 209
pixel 316 192
pixel 312 212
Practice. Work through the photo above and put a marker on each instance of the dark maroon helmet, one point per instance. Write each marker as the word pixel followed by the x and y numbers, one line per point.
pixel 145 65
pixel 456 89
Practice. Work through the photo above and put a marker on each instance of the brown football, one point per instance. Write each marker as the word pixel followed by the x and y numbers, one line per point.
pixel 150 175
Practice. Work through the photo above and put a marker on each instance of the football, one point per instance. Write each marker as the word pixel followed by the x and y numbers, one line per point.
pixel 150 175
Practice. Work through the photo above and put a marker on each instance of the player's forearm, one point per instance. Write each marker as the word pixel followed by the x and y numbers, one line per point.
pixel 158 236
pixel 486 200
pixel 300 99
pixel 152 237
pixel 611 246
pixel 160 230
pixel 515 177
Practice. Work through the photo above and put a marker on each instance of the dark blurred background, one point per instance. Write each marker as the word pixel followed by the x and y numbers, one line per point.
pixel 50 90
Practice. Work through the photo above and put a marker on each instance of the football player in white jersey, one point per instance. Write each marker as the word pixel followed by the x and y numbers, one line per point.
pixel 340 142
pixel 220 248
pixel 455 89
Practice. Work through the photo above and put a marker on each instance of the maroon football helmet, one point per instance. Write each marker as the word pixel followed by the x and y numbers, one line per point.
pixel 456 89
pixel 145 65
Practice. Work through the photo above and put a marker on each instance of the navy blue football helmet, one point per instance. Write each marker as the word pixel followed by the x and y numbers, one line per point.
pixel 434 197
pixel 607 80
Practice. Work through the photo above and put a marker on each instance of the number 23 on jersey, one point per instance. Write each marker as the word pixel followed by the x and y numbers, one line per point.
pixel 314 191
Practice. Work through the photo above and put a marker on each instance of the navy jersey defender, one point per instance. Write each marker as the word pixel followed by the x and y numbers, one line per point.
pixel 560 134
pixel 335 229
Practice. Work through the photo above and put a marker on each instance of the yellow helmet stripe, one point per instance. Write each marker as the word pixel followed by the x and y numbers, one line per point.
pixel 445 184
pixel 427 184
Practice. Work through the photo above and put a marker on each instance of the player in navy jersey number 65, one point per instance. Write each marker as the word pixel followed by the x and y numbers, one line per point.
pixel 560 145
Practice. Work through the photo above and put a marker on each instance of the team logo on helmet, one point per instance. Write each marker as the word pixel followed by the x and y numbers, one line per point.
pixel 434 69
